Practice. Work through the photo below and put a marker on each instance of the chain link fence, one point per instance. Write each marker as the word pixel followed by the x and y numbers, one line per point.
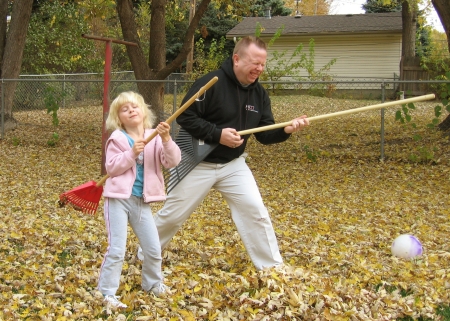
pixel 82 94
pixel 72 90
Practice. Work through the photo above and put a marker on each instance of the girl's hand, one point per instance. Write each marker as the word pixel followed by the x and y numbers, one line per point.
pixel 138 146
pixel 163 130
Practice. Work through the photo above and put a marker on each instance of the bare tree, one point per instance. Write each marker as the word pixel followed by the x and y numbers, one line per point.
pixel 156 67
pixel 409 22
pixel 3 26
pixel 13 53
pixel 442 8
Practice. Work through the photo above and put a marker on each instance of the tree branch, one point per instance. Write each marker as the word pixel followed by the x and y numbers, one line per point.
pixel 186 48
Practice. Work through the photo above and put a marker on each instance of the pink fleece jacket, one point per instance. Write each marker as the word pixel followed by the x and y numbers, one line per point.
pixel 121 166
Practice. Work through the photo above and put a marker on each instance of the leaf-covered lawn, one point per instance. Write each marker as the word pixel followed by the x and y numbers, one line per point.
pixel 335 219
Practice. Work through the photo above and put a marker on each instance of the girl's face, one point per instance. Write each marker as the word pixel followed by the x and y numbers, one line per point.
pixel 130 116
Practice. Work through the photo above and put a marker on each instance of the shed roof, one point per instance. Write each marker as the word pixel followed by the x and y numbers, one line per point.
pixel 327 24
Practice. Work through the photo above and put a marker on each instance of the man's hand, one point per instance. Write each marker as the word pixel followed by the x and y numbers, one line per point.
pixel 297 124
pixel 230 138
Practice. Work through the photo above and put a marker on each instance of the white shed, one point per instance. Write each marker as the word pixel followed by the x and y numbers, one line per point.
pixel 366 46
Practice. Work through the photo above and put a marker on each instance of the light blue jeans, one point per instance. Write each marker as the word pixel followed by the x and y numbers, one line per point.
pixel 237 185
pixel 118 212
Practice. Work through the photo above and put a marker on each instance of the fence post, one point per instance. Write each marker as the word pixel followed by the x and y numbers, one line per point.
pixel 174 96
pixel 174 108
pixel 383 98
pixel 3 109
pixel 64 91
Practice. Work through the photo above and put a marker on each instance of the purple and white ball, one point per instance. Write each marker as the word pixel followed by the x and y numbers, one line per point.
pixel 406 246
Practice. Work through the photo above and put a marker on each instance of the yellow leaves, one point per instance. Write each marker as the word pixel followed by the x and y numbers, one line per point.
pixel 252 311
pixel 323 227
pixel 144 318
pixel 334 219
pixel 43 311
pixel 294 299
pixel 274 276
pixel 187 315
pixel 329 314
pixel 52 22
pixel 206 303
pixel 197 288
pixel 74 59
pixel 15 235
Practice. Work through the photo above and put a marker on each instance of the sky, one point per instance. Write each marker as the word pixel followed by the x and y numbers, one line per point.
pixel 354 6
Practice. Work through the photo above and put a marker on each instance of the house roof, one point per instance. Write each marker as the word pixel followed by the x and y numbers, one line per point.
pixel 329 24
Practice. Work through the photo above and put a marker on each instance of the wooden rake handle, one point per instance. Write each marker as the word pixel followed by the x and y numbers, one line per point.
pixel 172 117
pixel 340 113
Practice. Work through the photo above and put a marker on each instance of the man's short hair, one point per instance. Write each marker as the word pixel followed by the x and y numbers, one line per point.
pixel 243 43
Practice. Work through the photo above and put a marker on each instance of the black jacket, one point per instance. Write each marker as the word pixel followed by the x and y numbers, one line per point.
pixel 228 104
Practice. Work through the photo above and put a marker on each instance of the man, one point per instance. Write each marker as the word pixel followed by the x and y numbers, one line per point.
pixel 236 102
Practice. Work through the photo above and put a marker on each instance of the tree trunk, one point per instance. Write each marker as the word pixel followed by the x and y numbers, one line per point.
pixel 409 20
pixel 3 26
pixel 156 68
pixel 13 52
pixel 442 8
pixel 157 57
pixel 445 124
pixel 136 54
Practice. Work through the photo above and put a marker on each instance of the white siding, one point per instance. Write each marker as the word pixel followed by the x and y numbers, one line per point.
pixel 368 56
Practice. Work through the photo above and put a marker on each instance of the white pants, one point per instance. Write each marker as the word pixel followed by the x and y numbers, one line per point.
pixel 118 212
pixel 237 185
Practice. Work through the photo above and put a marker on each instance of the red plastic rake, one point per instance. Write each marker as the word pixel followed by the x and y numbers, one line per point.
pixel 86 197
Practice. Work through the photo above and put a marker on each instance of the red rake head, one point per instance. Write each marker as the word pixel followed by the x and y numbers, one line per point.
pixel 83 198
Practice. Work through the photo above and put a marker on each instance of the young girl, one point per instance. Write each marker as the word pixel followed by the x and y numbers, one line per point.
pixel 135 179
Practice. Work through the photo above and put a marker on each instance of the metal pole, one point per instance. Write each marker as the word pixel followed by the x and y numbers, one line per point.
pixel 383 97
pixel 106 78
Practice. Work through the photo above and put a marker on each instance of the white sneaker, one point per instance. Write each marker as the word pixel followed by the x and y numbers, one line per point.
pixel 160 289
pixel 113 301
pixel 139 253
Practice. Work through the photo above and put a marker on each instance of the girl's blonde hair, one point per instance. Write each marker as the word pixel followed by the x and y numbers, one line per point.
pixel 113 122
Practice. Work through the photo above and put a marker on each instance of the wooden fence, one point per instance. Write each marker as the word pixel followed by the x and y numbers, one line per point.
pixel 410 69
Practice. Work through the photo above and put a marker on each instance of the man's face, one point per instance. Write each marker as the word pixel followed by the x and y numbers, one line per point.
pixel 249 64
